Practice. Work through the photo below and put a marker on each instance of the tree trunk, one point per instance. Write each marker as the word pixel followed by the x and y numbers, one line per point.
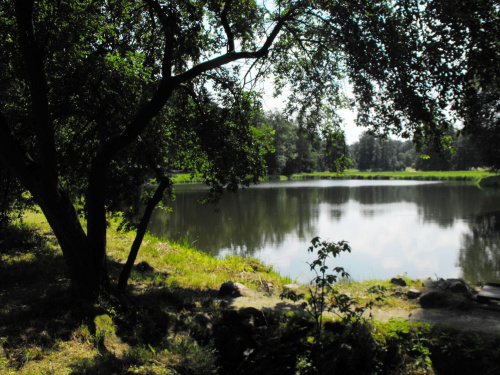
pixel 87 267
pixel 141 231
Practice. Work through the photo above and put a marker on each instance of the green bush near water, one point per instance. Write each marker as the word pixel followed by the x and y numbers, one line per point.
pixel 490 181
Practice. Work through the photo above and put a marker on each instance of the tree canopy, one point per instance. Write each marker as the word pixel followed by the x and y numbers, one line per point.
pixel 98 96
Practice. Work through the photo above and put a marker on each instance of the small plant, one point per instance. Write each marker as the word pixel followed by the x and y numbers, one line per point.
pixel 323 296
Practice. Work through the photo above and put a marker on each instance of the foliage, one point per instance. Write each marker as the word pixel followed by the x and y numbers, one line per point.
pixel 375 154
pixel 323 295
pixel 297 150
pixel 98 97
pixel 13 198
pixel 187 329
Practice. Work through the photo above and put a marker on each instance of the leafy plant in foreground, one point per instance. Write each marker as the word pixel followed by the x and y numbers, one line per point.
pixel 323 296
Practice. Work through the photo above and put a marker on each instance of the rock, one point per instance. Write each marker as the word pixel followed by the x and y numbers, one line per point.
pixel 144 267
pixel 429 283
pixel 434 299
pixel 233 289
pixel 413 293
pixel 398 281
pixel 457 286
pixel 439 298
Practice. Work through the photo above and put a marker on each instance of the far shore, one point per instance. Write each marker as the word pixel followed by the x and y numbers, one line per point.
pixel 481 177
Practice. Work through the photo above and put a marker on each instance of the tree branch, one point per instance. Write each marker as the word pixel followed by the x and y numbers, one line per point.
pixel 169 84
pixel 235 56
pixel 166 22
pixel 227 28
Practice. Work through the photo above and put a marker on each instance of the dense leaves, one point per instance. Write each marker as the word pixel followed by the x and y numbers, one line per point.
pixel 99 97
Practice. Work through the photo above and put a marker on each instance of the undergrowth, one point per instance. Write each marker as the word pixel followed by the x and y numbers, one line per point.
pixel 173 321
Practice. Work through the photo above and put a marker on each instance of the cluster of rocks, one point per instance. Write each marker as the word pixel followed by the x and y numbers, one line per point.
pixel 447 293
pixel 433 294
pixel 441 293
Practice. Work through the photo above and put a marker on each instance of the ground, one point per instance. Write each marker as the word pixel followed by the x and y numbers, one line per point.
pixel 479 318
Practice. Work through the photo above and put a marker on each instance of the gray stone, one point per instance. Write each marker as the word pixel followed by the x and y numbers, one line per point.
pixel 398 281
pixel 441 298
pixel 233 289
pixel 434 299
pixel 413 293
pixel 457 286
pixel 429 283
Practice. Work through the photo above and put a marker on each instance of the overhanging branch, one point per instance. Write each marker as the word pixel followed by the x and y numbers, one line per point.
pixel 169 84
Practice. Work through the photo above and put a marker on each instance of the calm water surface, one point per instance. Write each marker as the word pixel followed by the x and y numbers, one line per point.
pixel 393 227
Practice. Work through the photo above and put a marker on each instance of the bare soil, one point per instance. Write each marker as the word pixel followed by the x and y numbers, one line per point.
pixel 479 318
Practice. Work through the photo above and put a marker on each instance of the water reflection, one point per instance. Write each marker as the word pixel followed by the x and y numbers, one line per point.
pixel 480 250
pixel 423 229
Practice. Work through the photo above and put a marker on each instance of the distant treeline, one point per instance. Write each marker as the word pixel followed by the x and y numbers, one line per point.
pixel 297 151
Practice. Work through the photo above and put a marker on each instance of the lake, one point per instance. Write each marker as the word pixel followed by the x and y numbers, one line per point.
pixel 397 227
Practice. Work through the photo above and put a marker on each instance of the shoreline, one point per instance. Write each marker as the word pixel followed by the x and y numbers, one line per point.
pixel 483 178
pixel 174 316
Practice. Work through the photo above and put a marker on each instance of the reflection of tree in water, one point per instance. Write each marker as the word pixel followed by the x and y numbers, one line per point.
pixel 436 202
pixel 243 222
pixel 480 251
pixel 252 218
pixel 442 205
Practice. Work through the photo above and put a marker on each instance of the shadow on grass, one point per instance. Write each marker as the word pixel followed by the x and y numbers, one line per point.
pixel 38 313
pixel 154 330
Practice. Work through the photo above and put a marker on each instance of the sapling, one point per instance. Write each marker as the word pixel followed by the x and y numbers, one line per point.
pixel 323 296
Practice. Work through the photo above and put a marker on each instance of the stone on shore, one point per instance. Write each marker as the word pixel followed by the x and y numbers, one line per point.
pixel 233 289
pixel 398 281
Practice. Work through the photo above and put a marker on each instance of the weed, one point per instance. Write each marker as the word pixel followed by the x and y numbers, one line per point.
pixel 323 295
pixel 191 357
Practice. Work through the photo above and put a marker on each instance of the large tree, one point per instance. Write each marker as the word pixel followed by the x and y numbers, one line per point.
pixel 98 95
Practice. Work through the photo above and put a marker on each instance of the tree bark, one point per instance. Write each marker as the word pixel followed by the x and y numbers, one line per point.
pixel 87 267
pixel 85 254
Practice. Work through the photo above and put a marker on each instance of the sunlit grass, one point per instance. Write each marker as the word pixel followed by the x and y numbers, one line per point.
pixel 177 270
pixel 173 297
pixel 401 175
pixel 408 174
pixel 174 264
pixel 394 296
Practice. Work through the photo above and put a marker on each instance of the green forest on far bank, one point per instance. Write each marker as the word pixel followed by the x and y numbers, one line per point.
pixel 100 98
pixel 298 151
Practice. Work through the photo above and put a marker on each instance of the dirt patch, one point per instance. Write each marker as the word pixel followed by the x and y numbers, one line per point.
pixel 479 318
pixel 484 319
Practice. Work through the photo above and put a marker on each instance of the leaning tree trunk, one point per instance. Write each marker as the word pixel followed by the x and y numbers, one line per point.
pixel 141 231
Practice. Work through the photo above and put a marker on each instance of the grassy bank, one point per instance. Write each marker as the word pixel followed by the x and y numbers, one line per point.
pixel 475 176
pixel 173 320
pixel 354 174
